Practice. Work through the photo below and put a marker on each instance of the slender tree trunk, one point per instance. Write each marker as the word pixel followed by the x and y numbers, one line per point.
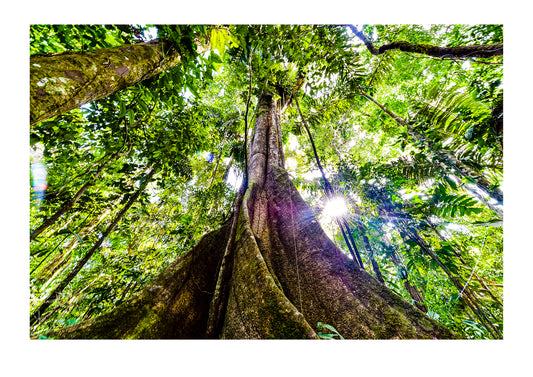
pixel 415 295
pixel 50 271
pixel 456 253
pixel 479 51
pixel 413 291
pixel 59 289
pixel 279 276
pixel 346 233
pixel 227 169
pixel 370 252
pixel 64 81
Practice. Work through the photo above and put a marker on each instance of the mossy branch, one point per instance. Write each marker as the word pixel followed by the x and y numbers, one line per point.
pixel 474 51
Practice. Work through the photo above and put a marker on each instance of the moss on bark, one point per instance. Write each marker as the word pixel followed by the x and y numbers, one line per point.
pixel 62 82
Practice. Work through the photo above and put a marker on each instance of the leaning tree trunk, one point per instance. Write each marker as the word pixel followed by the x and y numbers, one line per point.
pixel 61 82
pixel 283 274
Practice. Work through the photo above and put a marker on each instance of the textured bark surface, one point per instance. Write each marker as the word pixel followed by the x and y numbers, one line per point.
pixel 62 82
pixel 286 274
pixel 477 51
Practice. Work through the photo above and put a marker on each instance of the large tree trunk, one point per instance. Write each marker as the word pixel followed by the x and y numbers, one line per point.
pixel 284 274
pixel 64 81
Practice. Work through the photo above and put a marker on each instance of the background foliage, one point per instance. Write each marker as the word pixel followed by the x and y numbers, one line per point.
pixel 411 213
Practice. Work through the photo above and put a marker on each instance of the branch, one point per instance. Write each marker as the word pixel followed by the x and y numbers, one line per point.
pixel 476 51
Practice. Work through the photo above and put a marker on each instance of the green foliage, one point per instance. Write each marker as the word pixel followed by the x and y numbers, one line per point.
pixel 332 334
pixel 189 122
pixel 450 204
pixel 60 38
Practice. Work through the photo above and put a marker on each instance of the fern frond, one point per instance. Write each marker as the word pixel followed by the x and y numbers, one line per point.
pixel 452 204
pixel 474 156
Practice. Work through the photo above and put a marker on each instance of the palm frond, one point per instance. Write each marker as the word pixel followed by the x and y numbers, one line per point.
pixel 452 204
pixel 381 69
pixel 418 168
pixel 442 108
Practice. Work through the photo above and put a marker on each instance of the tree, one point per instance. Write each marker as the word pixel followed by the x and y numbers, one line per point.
pixel 269 271
pixel 278 278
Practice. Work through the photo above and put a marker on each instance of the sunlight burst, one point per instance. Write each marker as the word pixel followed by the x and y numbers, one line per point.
pixel 335 207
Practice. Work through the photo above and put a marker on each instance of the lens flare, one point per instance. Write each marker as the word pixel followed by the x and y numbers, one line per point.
pixel 208 156
pixel 335 207
pixel 39 183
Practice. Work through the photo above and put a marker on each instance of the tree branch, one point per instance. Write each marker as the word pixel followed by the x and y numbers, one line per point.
pixel 475 51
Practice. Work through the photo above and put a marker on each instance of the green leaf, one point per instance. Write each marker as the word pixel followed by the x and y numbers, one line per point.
pixel 71 321
pixel 68 231
pixel 326 336
pixel 122 111
pixel 143 105
pixel 218 40
pixel 330 328
pixel 34 139
pixel 131 116
pixel 454 297
pixel 215 58
pixel 450 182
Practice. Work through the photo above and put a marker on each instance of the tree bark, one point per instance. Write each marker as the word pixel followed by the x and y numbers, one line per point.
pixel 285 274
pixel 477 51
pixel 64 81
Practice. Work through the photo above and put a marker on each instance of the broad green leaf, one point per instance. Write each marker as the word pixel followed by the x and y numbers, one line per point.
pixel 68 231
pixel 219 39
pixel 122 111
